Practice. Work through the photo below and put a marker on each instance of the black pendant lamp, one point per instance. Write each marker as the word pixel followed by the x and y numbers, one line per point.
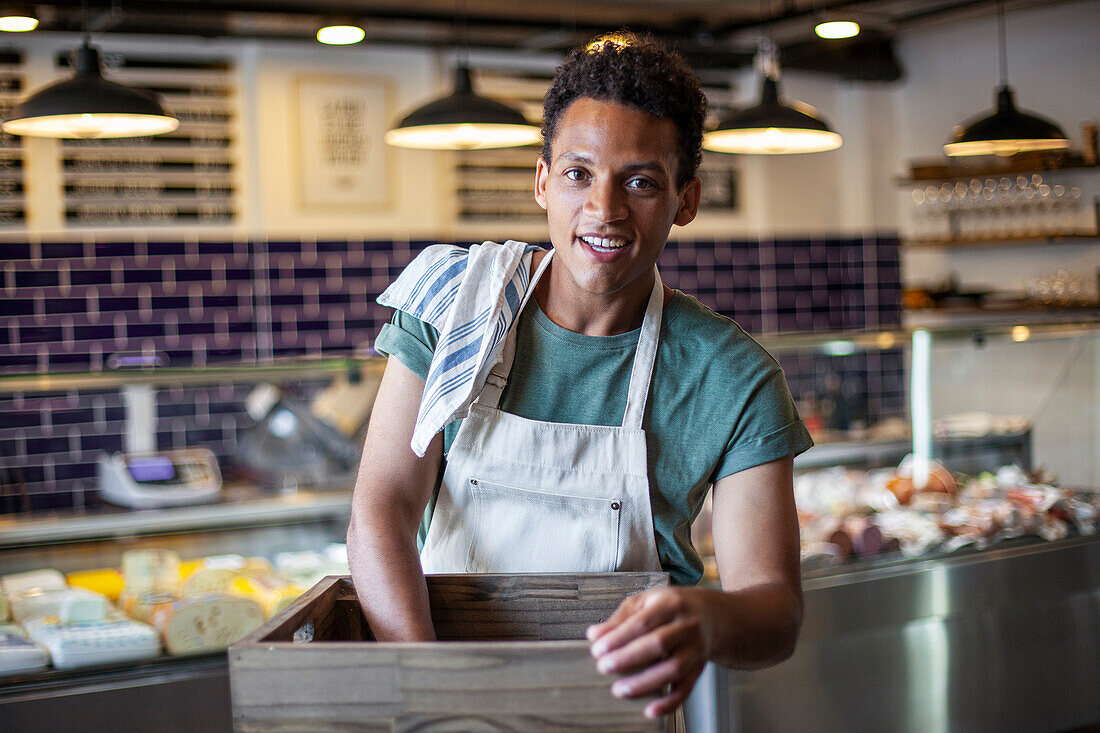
pixel 772 127
pixel 464 120
pixel 1007 130
pixel 88 106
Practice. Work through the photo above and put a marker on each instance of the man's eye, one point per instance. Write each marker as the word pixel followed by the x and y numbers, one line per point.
pixel 575 174
pixel 641 183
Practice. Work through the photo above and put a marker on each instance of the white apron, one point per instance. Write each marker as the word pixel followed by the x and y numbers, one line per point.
pixel 525 496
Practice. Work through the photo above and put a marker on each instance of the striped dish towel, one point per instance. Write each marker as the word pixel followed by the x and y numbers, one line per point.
pixel 471 297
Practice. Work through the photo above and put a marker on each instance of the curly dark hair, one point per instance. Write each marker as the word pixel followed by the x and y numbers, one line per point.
pixel 634 70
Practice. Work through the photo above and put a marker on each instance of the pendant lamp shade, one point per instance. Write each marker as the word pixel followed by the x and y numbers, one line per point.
pixel 464 121
pixel 1006 131
pixel 88 106
pixel 772 128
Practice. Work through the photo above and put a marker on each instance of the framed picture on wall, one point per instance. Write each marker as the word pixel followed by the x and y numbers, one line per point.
pixel 719 188
pixel 342 159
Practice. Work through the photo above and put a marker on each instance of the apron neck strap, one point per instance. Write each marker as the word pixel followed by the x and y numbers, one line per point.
pixel 498 376
pixel 641 374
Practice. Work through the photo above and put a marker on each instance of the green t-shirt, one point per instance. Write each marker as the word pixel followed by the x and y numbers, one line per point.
pixel 718 403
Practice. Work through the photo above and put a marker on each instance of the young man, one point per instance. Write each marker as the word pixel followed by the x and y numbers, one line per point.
pixel 605 411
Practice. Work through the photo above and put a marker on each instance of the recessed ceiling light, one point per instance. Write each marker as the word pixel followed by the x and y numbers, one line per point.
pixel 340 35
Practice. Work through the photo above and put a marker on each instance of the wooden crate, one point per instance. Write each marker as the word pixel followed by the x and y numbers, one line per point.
pixel 511 656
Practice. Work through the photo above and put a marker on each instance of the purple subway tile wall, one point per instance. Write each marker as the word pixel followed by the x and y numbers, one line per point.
pixel 68 306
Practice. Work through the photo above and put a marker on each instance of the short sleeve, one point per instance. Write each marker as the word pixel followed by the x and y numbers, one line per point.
pixel 769 429
pixel 410 340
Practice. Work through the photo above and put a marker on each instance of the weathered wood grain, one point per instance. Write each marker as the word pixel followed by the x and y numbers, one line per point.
pixel 512 657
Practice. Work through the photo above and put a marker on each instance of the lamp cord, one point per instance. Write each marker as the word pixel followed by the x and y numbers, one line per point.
pixel 462 31
pixel 1003 45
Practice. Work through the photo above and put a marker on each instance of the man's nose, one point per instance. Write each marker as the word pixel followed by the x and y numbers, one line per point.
pixel 605 202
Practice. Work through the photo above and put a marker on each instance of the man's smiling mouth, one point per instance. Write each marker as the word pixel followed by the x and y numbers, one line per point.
pixel 604 244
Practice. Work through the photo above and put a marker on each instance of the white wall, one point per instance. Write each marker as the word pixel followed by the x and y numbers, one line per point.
pixel 1053 64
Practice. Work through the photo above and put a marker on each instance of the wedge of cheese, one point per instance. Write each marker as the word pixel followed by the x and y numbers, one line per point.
pixel 106 581
pixel 150 571
pixel 272 594
pixel 205 622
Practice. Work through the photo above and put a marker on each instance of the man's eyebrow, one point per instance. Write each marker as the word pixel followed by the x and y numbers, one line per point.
pixel 649 166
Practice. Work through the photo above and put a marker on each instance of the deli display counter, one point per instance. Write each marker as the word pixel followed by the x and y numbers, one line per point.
pixel 966 602
pixel 989 620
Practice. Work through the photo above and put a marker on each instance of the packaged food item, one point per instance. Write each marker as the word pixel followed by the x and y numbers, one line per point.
pixel 150 571
pixel 73 602
pixel 203 623
pixel 43 579
pixel 18 653
pixel 105 581
pixel 115 639
pixel 5 610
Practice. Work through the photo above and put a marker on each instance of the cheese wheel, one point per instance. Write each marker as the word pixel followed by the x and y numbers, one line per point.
pixel 107 582
pixel 150 571
pixel 204 623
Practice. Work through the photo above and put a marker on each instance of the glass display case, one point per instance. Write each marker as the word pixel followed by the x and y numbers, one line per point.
pixel 951 577
pixel 935 586
pixel 282 445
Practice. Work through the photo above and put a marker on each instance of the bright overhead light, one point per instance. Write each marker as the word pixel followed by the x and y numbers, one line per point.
pixel 1007 130
pixel 18 23
pixel 341 35
pixel 772 127
pixel 837 29
pixel 463 120
pixel 88 106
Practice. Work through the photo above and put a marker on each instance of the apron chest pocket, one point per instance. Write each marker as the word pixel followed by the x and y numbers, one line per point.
pixel 519 530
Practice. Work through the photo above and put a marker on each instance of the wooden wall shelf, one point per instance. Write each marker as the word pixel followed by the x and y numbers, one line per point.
pixel 968 242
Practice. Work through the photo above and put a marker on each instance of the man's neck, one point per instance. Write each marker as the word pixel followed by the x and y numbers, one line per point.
pixel 588 313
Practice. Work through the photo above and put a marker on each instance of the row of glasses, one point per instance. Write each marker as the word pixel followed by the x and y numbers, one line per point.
pixel 995 207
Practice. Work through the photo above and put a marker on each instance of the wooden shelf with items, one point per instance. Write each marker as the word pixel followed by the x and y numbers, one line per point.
pixel 939 170
pixel 1041 198
pixel 1022 239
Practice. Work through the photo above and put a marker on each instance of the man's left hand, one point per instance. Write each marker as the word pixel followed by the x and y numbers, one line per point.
pixel 660 640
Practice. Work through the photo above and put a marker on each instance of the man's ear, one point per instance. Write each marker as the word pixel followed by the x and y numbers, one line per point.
pixel 542 173
pixel 689 202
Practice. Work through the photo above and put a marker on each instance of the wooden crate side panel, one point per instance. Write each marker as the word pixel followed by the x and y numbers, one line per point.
pixel 551 606
pixel 474 686
pixel 306 687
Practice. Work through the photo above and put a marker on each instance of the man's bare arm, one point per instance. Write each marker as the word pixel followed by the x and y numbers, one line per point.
pixel 666 636
pixel 391 491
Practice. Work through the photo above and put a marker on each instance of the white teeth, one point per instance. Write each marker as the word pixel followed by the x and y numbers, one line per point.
pixel 604 244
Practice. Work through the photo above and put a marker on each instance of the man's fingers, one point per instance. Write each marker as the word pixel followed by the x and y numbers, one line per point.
pixel 646 649
pixel 625 609
pixel 637 623
pixel 676 697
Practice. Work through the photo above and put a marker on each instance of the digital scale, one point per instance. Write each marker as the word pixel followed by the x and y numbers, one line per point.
pixel 159 479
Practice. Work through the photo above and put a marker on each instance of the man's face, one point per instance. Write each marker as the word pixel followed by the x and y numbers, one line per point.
pixel 610 195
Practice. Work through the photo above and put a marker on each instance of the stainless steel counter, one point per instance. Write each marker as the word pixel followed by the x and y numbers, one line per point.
pixel 1001 640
